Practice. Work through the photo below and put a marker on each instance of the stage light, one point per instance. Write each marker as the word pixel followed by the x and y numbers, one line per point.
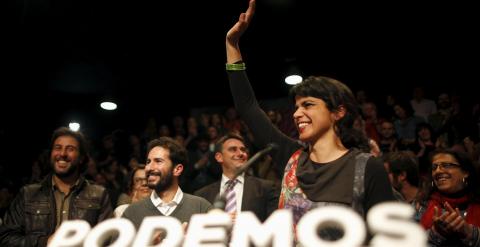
pixel 109 106
pixel 293 79
pixel 74 126
pixel 293 73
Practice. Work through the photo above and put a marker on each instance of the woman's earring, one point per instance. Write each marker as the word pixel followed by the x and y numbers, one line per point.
pixel 464 181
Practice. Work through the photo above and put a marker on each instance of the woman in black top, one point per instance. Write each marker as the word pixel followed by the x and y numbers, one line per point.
pixel 327 165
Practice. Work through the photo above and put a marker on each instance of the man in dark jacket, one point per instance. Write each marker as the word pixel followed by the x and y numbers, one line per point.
pixel 39 209
pixel 250 193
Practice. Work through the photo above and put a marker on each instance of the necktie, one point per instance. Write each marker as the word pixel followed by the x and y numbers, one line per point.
pixel 231 206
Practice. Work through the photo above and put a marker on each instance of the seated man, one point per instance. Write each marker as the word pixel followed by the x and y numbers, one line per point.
pixel 39 209
pixel 249 193
pixel 165 162
pixel 402 168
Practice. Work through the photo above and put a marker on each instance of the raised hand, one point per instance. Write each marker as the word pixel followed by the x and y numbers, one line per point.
pixel 234 34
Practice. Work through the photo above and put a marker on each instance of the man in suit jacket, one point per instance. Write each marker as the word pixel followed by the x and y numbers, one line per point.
pixel 252 194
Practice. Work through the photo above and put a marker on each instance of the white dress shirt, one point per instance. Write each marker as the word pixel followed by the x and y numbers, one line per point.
pixel 166 208
pixel 238 189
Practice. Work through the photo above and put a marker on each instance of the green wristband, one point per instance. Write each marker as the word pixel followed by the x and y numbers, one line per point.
pixel 235 66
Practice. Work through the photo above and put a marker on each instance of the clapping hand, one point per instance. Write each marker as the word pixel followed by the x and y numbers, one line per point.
pixel 451 223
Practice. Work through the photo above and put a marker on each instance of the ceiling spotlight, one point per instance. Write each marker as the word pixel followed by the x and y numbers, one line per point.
pixel 109 106
pixel 293 79
pixel 74 126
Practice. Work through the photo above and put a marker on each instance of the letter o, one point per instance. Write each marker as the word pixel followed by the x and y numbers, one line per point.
pixel 341 217
pixel 101 232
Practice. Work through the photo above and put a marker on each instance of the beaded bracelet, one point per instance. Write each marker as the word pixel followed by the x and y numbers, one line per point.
pixel 235 66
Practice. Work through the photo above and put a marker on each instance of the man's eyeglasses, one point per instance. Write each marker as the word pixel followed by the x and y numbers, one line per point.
pixel 445 166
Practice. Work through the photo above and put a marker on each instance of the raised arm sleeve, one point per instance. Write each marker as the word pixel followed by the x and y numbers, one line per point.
pixel 262 128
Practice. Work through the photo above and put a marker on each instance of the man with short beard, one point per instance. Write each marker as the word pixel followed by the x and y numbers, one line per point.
pixel 165 162
pixel 64 194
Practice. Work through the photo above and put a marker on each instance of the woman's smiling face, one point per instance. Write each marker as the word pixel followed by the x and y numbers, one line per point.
pixel 448 174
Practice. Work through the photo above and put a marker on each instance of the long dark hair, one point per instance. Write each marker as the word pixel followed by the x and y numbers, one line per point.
pixel 335 94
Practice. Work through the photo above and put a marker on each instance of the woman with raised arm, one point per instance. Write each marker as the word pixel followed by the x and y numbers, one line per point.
pixel 326 166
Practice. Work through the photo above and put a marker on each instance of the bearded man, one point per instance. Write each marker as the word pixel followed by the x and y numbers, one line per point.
pixel 39 209
pixel 166 159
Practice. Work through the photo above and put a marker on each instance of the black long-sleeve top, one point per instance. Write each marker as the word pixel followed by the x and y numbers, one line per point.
pixel 335 183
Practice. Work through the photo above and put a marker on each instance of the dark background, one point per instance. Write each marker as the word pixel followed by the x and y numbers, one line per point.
pixel 162 58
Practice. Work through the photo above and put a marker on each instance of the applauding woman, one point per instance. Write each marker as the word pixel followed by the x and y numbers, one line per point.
pixel 450 201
